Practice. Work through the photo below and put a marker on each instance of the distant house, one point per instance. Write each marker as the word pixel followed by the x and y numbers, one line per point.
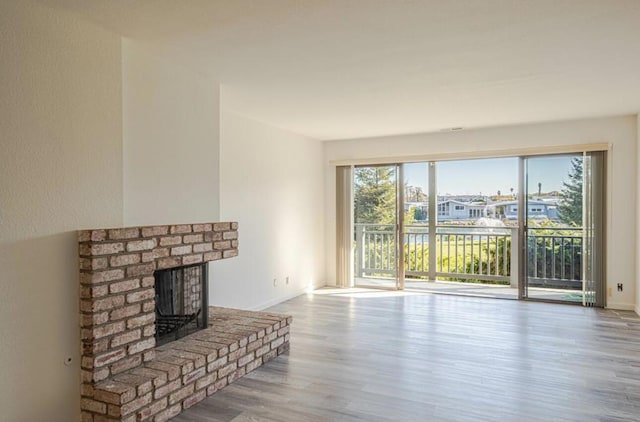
pixel 536 209
pixel 456 210
pixel 452 209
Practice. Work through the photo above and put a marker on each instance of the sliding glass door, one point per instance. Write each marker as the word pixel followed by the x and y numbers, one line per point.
pixel 376 223
pixel 562 221
pixel 489 227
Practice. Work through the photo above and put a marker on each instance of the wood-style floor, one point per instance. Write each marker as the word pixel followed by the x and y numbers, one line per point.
pixel 392 356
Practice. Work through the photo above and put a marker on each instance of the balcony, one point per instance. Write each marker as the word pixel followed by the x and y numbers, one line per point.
pixel 470 256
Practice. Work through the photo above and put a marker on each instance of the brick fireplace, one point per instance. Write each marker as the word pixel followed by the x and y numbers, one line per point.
pixel 125 377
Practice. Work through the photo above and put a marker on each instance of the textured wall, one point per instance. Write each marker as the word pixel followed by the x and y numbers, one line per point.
pixel 60 170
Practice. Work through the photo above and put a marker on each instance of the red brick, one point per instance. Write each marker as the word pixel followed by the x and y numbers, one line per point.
pixel 212 237
pixel 103 248
pixel 149 281
pixel 192 238
pixel 212 256
pixel 141 295
pixel 169 413
pixel 181 250
pixel 191 259
pixel 159 378
pixel 219 363
pixel 87 292
pixel 109 357
pixel 125 312
pixel 123 260
pixel 114 392
pixel 125 338
pixel 167 388
pixel 126 363
pixel 101 276
pixel 141 245
pixel 220 227
pixel 141 320
pixel 151 410
pixel 141 270
pixel 169 262
pixel 229 254
pixel 253 365
pixel 97 263
pixel 277 342
pixel 226 370
pixel 180 228
pixel 261 351
pixel 235 375
pixel 195 398
pixel 142 346
pixel 126 233
pixel 180 394
pixel 203 247
pixel 222 245
pixel 107 330
pixel 246 359
pixel 134 405
pixel 221 383
pixel 206 381
pixel 230 235
pixel 93 406
pixel 154 231
pixel 173 371
pixel 170 240
pixel 202 227
pixel 123 286
pixel 194 375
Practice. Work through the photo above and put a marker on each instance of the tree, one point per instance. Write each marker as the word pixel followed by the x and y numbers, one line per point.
pixel 375 196
pixel 570 206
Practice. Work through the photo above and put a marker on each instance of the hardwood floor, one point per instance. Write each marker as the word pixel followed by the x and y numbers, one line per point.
pixel 393 356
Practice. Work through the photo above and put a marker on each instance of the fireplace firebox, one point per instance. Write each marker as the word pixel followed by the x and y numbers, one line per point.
pixel 181 302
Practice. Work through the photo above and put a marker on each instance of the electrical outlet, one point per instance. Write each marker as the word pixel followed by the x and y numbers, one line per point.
pixel 619 287
pixel 275 282
pixel 286 280
pixel 610 291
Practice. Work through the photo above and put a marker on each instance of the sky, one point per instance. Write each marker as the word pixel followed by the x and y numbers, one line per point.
pixel 487 176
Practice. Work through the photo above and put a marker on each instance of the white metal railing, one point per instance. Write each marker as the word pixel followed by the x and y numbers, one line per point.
pixel 471 253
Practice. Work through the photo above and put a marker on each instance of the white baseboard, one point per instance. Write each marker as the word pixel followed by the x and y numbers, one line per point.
pixel 622 306
pixel 637 310
pixel 264 305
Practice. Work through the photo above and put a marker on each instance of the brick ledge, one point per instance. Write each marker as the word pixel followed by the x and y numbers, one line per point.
pixel 186 371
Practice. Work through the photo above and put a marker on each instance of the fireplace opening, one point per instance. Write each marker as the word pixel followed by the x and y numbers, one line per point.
pixel 181 302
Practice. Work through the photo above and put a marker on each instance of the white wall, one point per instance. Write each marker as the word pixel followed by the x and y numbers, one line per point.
pixel 638 216
pixel 271 182
pixel 171 141
pixel 60 170
pixel 621 132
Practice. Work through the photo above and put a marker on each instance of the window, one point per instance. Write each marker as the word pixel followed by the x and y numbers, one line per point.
pixel 459 207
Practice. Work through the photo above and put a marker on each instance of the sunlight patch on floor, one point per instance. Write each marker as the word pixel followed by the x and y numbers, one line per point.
pixel 363 293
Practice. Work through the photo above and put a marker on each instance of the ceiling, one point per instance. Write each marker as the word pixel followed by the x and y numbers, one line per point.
pixel 335 69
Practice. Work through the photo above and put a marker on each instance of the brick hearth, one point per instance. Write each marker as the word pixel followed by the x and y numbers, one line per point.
pixel 125 377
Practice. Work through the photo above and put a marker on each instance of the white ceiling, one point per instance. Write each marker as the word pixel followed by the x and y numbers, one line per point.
pixel 334 69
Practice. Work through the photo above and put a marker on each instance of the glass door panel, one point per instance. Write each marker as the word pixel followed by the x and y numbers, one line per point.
pixel 375 205
pixel 554 231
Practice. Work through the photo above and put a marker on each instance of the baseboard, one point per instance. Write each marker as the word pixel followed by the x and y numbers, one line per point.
pixel 622 307
pixel 637 310
pixel 262 306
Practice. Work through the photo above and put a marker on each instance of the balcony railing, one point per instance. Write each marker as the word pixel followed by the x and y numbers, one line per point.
pixel 472 253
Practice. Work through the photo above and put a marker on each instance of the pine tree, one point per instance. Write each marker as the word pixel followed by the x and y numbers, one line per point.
pixel 570 206
pixel 375 195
